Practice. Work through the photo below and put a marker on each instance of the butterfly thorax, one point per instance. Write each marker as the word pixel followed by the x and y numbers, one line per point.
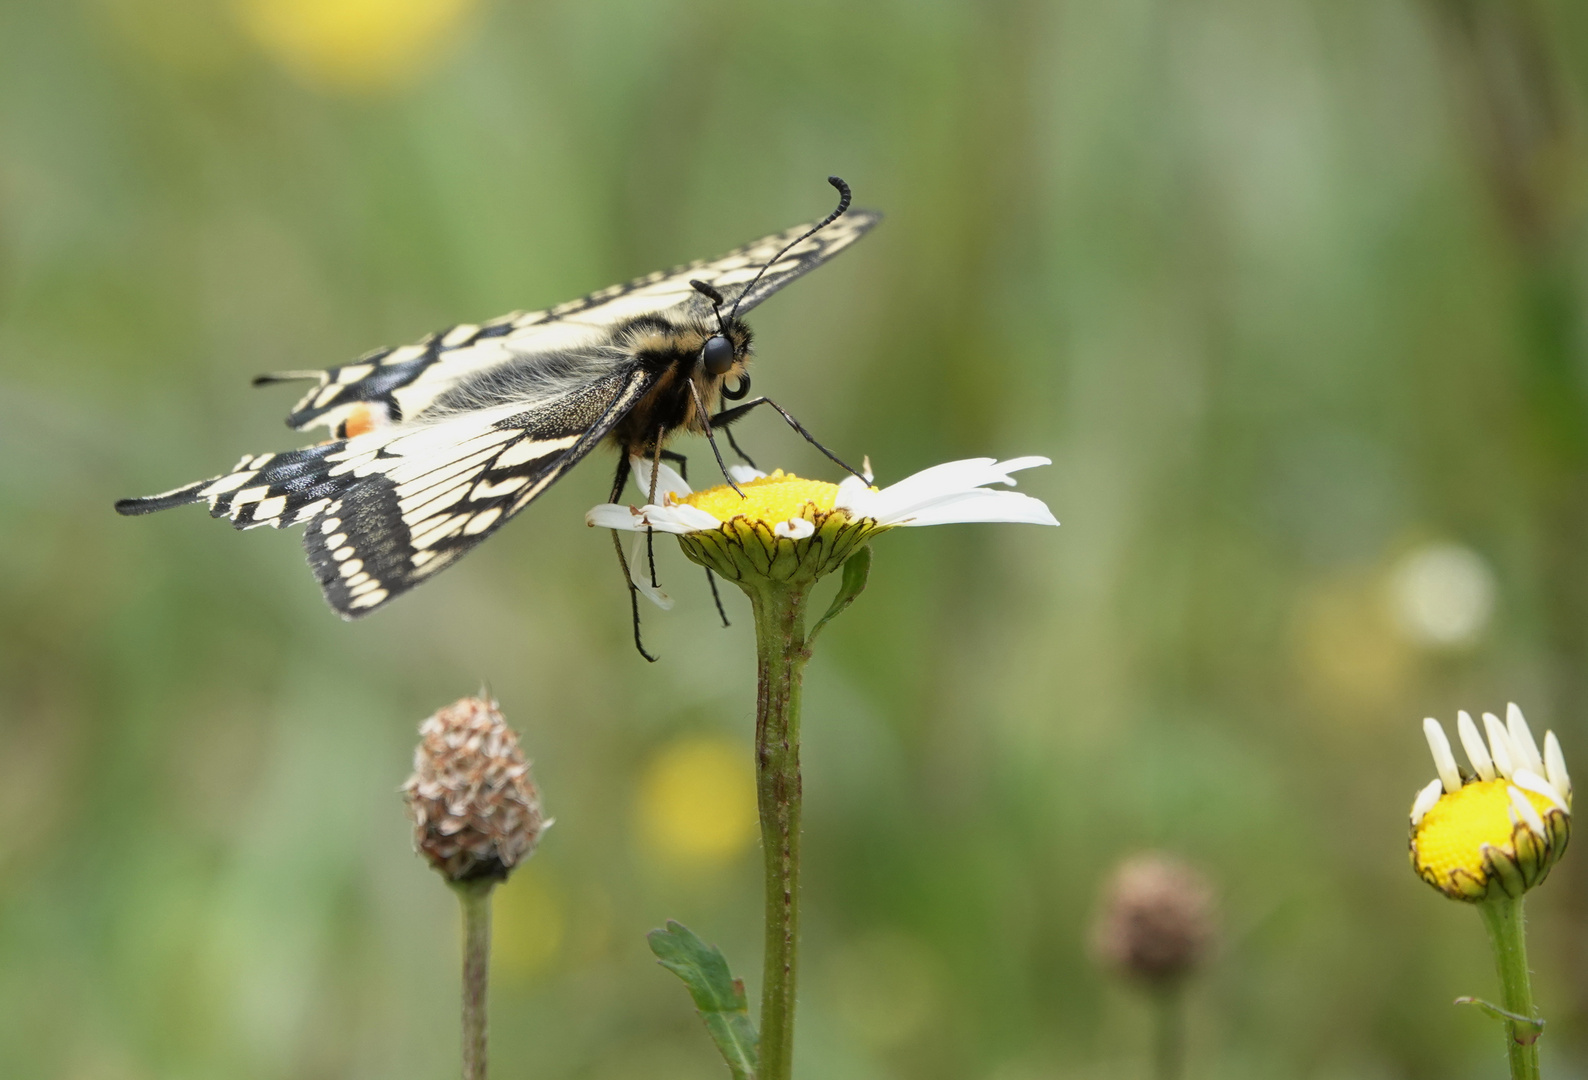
pixel 670 350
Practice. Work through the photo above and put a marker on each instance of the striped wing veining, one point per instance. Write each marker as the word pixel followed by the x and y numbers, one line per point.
pixel 388 509
pixel 408 380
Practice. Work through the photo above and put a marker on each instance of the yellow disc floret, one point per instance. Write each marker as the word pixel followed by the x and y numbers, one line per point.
pixel 781 529
pixel 774 498
pixel 1453 833
pixel 1467 844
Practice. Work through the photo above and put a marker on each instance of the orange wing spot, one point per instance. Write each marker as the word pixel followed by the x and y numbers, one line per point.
pixel 360 420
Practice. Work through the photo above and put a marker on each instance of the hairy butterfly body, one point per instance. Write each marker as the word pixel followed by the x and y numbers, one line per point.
pixel 437 444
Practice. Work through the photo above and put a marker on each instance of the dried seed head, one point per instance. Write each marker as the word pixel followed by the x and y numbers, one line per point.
pixel 475 810
pixel 1156 924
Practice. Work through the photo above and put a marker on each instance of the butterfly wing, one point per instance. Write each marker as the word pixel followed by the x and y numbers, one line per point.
pixel 388 509
pixel 453 435
pixel 404 383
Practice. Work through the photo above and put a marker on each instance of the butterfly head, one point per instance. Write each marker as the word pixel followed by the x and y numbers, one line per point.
pixel 720 351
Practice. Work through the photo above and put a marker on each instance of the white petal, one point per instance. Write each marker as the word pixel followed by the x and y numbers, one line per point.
pixel 668 482
pixel 980 505
pixel 1426 798
pixel 640 574
pixel 614 516
pixel 1526 811
pixel 1499 745
pixel 953 477
pixel 1527 756
pixel 910 500
pixel 794 529
pixel 865 469
pixel 855 496
pixel 668 519
pixel 1555 765
pixel 947 479
pixel 679 519
pixel 1472 743
pixel 1539 786
pixel 743 474
pixel 683 518
pixel 1444 760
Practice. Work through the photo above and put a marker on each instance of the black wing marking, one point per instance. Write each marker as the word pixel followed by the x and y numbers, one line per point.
pixel 387 510
pixel 405 382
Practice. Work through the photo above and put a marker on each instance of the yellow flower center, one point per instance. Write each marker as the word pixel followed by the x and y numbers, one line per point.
pixel 772 499
pixel 1452 834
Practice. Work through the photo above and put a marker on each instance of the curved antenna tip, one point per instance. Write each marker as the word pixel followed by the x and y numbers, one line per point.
pixel 843 205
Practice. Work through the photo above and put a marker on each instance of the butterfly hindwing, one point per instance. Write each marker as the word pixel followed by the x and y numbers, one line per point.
pixel 429 497
pixel 388 509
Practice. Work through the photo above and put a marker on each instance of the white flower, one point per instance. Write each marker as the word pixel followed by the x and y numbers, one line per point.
pixel 942 495
pixel 820 524
pixel 1499 827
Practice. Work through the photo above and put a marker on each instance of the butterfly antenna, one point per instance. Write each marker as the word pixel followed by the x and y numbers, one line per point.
pixel 843 204
pixel 286 376
pixel 716 300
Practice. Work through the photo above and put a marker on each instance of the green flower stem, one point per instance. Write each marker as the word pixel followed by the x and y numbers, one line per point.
pixel 475 898
pixel 1502 917
pixel 1168 1041
pixel 780 663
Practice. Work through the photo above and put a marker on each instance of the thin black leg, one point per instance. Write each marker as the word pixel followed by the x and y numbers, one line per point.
pixel 650 498
pixel 728 416
pixel 728 432
pixel 678 459
pixel 621 478
pixel 700 410
pixel 623 563
pixel 711 579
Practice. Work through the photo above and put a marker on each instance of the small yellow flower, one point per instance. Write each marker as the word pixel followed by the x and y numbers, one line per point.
pixel 696 803
pixel 354 46
pixel 783 528
pixel 1501 827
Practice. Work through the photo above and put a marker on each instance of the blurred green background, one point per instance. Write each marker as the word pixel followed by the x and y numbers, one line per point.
pixel 1292 291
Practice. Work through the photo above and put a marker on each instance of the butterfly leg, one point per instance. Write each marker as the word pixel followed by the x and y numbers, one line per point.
pixel 700 411
pixel 728 416
pixel 650 497
pixel 617 545
pixel 711 579
pixel 737 449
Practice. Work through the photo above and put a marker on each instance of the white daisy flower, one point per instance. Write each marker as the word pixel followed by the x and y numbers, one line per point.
pixel 787 528
pixel 1499 827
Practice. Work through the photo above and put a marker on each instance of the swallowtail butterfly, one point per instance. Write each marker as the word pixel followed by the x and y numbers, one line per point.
pixel 437 444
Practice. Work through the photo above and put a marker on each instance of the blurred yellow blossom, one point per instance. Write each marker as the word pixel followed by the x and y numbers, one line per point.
pixel 697 801
pixel 354 46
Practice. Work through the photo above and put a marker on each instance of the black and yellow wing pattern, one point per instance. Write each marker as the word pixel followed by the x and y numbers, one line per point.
pixel 437 444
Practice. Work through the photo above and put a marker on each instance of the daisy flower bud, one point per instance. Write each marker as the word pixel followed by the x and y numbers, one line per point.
pixel 475 810
pixel 1157 920
pixel 1498 828
pixel 786 529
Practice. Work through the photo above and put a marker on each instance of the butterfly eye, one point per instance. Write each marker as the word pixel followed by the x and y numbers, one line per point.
pixel 718 355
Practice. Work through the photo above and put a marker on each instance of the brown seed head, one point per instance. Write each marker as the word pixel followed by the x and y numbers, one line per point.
pixel 475 810
pixel 1156 924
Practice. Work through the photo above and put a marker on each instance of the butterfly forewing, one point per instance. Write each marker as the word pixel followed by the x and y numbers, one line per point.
pixel 441 442
pixel 407 381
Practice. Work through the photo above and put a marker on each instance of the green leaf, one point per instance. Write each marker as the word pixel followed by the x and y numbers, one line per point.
pixel 719 997
pixel 1524 1030
pixel 856 569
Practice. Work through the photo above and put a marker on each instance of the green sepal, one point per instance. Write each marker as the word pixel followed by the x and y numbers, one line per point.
pixel 1524 1030
pixel 857 568
pixel 719 997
